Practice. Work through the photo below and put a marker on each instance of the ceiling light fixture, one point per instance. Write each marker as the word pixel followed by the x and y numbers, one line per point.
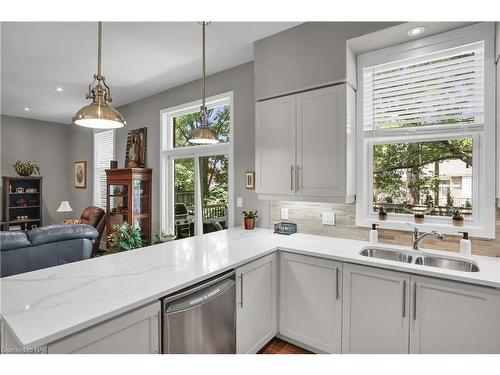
pixel 203 134
pixel 99 114
pixel 26 109
pixel 417 30
pixel 59 89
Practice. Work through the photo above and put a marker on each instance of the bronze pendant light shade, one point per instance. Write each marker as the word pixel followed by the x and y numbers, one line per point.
pixel 99 114
pixel 203 134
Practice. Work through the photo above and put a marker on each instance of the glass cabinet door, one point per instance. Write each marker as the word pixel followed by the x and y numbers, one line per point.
pixel 140 206
pixel 118 204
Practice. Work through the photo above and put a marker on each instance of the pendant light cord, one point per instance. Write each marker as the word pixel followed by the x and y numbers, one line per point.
pixel 99 47
pixel 203 66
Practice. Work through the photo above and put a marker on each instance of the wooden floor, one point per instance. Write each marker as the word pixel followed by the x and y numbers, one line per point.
pixel 278 346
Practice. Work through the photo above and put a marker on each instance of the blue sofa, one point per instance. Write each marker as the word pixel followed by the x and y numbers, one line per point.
pixel 45 247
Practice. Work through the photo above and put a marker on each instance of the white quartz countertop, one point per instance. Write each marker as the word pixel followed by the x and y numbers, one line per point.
pixel 43 306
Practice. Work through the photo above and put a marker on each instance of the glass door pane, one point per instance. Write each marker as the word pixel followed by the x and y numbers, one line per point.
pixel 214 171
pixel 118 204
pixel 184 198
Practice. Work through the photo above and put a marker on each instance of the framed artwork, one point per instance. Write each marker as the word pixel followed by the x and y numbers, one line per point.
pixel 80 174
pixel 135 157
pixel 250 180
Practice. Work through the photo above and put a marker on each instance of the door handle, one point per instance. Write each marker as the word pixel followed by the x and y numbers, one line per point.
pixel 337 293
pixel 241 290
pixel 415 301
pixel 404 298
pixel 291 177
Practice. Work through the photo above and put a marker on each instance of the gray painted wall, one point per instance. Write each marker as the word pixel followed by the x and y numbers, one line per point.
pixel 146 113
pixel 45 142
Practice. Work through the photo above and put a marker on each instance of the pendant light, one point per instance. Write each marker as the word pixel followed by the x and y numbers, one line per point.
pixel 99 114
pixel 203 134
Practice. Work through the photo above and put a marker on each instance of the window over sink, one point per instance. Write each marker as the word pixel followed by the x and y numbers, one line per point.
pixel 426 132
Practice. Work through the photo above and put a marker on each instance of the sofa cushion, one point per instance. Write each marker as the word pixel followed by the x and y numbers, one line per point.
pixel 61 232
pixel 13 240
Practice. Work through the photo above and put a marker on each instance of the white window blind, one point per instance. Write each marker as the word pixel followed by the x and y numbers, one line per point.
pixel 104 152
pixel 441 88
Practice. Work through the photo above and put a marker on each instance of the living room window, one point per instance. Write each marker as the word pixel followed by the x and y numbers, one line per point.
pixel 104 152
pixel 426 132
pixel 196 180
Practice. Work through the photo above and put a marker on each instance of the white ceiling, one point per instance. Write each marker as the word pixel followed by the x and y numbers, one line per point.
pixel 139 59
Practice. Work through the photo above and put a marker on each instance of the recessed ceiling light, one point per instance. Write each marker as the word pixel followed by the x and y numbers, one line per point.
pixel 59 89
pixel 414 31
pixel 26 108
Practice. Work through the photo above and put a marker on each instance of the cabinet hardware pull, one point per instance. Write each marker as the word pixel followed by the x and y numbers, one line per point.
pixel 291 177
pixel 297 178
pixel 241 290
pixel 415 301
pixel 404 298
pixel 337 283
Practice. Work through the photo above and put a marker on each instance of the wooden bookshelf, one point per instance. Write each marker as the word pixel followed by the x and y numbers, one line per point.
pixel 17 202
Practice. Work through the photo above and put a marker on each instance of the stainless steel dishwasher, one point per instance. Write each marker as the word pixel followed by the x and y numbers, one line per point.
pixel 201 319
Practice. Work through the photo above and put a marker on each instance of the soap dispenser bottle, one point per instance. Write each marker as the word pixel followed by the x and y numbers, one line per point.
pixel 465 245
pixel 374 233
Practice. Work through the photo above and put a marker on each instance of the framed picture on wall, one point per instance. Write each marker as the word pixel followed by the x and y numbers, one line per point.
pixel 250 180
pixel 80 174
pixel 135 157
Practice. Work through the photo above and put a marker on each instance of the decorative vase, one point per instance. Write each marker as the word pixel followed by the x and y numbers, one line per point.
pixel 419 218
pixel 457 222
pixel 249 223
pixel 382 215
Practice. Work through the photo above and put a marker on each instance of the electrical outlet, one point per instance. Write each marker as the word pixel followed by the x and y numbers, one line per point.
pixel 239 202
pixel 284 214
pixel 328 218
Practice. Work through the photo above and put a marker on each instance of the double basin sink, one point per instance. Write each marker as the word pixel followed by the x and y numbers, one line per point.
pixel 423 259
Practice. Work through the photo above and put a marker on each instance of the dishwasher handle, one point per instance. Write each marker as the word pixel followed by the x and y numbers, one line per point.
pixel 198 295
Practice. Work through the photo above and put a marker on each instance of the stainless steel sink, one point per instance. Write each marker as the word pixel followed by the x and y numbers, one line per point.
pixel 447 263
pixel 395 255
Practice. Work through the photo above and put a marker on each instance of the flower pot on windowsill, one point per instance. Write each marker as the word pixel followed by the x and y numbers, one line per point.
pixel 382 214
pixel 419 218
pixel 457 221
pixel 249 223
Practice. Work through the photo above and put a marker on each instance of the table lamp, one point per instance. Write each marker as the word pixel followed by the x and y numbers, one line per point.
pixel 64 207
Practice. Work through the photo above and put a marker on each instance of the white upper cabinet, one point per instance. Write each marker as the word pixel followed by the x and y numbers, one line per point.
pixel 257 304
pixel 275 153
pixel 305 146
pixel 453 317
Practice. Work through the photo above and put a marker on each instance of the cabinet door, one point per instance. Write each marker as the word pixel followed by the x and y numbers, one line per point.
pixel 310 301
pixel 321 142
pixel 375 310
pixel 135 332
pixel 257 304
pixel 275 146
pixel 453 317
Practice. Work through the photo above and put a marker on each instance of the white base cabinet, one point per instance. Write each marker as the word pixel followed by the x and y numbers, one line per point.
pixel 256 304
pixel 310 301
pixel 135 332
pixel 375 310
pixel 453 317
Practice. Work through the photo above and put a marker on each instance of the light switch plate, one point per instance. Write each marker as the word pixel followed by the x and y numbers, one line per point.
pixel 328 218
pixel 239 202
pixel 284 213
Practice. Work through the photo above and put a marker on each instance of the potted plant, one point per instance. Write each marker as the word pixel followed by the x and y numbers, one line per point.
pixel 164 237
pixel 250 217
pixel 419 217
pixel 26 168
pixel 457 219
pixel 125 237
pixel 382 213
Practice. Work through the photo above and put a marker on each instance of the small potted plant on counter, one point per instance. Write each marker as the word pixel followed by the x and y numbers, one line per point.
pixel 457 219
pixel 382 214
pixel 419 217
pixel 250 217
pixel 164 237
pixel 125 237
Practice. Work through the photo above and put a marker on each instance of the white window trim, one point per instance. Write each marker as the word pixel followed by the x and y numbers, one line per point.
pixel 168 154
pixel 94 166
pixel 483 222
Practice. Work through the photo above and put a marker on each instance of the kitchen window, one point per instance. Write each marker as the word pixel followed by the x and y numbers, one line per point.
pixel 426 132
pixel 196 180
pixel 104 152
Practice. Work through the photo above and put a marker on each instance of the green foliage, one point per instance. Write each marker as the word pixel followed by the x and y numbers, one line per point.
pixel 164 236
pixel 26 168
pixel 250 214
pixel 126 237
pixel 456 213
